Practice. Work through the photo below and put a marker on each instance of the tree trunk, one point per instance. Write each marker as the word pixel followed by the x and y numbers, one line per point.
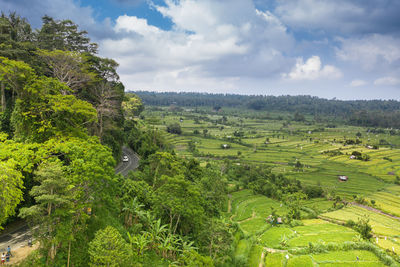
pixel 101 126
pixel 3 97
pixel 177 222
pixel 69 252
pixel 49 205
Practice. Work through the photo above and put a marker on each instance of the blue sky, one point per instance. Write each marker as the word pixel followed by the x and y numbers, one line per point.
pixel 344 49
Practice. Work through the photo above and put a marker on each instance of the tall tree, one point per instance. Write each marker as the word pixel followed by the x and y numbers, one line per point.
pixel 132 106
pixel 108 248
pixel 42 112
pixel 68 67
pixel 17 28
pixel 181 202
pixel 14 75
pixel 106 100
pixel 53 206
pixel 63 35
pixel 10 189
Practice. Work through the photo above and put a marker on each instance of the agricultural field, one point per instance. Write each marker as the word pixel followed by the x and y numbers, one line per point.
pixel 325 154
pixel 382 225
pixel 387 200
pixel 347 258
pixel 301 236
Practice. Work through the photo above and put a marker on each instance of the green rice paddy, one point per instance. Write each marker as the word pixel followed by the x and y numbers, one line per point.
pixel 279 145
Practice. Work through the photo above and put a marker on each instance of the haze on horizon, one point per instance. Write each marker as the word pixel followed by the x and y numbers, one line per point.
pixel 344 49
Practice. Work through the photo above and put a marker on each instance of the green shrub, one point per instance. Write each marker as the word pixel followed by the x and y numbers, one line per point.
pixel 174 128
pixel 350 223
pixel 295 223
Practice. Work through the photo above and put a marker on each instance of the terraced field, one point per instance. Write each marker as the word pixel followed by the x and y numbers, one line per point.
pixel 387 200
pixel 250 212
pixel 316 232
pixel 382 225
pixel 327 175
pixel 279 145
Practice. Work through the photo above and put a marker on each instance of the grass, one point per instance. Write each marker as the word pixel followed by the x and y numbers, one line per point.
pixel 254 226
pixel 252 210
pixel 327 175
pixel 347 258
pixel 243 248
pixel 300 236
pixel 387 200
pixel 255 255
pixel 381 224
pixel 274 260
pixel 319 233
pixel 304 261
pixel 272 237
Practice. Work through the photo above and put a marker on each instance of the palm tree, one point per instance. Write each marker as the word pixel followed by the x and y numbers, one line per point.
pixel 139 242
pixel 156 232
pixel 130 209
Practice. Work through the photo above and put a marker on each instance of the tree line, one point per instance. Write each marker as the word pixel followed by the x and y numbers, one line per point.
pixel 370 113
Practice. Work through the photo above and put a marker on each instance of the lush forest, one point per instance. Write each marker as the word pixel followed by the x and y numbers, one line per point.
pixel 370 113
pixel 63 120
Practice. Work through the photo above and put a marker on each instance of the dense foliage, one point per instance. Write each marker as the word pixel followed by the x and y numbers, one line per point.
pixel 63 119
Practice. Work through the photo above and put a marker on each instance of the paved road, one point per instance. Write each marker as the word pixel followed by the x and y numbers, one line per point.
pixel 18 234
pixel 15 237
pixel 131 164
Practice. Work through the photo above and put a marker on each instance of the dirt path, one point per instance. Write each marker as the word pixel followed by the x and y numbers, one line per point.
pixel 21 253
pixel 15 235
pixel 229 205
pixel 261 264
pixel 272 250
pixel 375 210
pixel 253 215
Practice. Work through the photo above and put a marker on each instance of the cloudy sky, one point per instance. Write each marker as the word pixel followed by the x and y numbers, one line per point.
pixel 348 49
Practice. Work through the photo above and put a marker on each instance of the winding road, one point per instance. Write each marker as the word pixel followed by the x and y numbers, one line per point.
pixel 18 234
pixel 125 167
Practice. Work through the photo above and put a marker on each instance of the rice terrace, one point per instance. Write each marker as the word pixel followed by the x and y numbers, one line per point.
pixel 322 227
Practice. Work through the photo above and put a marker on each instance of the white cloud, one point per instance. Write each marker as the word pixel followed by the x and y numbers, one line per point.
pixel 387 81
pixel 339 16
pixel 134 24
pixel 370 52
pixel 318 14
pixel 312 70
pixel 206 41
pixel 358 83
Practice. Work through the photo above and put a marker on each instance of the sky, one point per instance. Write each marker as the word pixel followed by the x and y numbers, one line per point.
pixel 344 49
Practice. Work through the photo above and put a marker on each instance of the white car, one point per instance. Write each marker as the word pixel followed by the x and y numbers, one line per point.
pixel 125 159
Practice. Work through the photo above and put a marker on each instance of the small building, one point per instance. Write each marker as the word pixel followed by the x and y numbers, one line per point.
pixel 343 178
pixel 270 219
pixel 225 146
pixel 352 157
